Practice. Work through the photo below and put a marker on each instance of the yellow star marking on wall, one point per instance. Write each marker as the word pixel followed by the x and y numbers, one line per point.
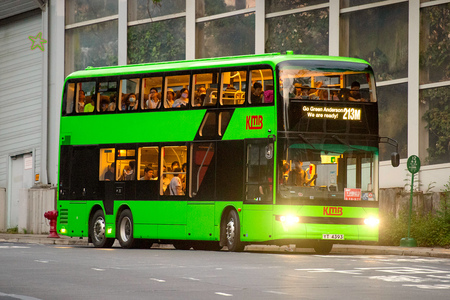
pixel 38 41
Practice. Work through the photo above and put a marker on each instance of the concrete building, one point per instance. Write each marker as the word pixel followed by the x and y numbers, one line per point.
pixel 42 41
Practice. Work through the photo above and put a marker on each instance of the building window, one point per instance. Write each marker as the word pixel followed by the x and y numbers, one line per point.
pixel 435 109
pixel 206 8
pixel 276 5
pixel 434 44
pixel 304 33
pixel 144 9
pixel 393 118
pixel 92 45
pixel 226 37
pixel 380 36
pixel 157 41
pixel 86 10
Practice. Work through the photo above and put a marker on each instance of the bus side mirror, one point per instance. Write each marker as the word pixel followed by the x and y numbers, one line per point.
pixel 395 159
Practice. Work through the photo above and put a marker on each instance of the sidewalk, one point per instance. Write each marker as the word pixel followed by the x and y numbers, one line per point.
pixel 337 249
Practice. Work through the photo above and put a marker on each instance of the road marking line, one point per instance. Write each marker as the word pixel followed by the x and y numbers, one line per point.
pixel 275 292
pixel 41 261
pixel 191 278
pixel 224 294
pixel 97 269
pixel 157 280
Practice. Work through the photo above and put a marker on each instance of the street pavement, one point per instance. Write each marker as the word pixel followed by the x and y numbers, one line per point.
pixel 337 248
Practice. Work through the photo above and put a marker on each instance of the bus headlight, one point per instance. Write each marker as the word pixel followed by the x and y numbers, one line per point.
pixel 63 230
pixel 289 219
pixel 371 221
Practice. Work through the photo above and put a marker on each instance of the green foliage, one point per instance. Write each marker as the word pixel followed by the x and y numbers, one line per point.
pixel 428 230
pixel 13 230
pixel 158 41
pixel 438 123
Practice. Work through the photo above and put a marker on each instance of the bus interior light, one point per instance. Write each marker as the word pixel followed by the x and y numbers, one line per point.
pixel 371 221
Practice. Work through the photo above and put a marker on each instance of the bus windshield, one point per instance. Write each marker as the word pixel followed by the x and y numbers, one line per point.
pixel 313 171
pixel 346 82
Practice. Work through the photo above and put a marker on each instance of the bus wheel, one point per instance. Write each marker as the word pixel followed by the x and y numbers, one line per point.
pixel 125 230
pixel 233 232
pixel 323 248
pixel 97 231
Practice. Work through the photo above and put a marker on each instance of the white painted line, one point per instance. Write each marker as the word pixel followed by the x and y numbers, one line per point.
pixel 41 261
pixel 191 278
pixel 97 269
pixel 275 292
pixel 219 269
pixel 157 280
pixel 223 294
pixel 14 247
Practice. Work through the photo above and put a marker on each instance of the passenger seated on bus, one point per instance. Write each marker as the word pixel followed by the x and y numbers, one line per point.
pixel 183 100
pixel 133 103
pixel 112 105
pixel 153 100
pixel 174 165
pixel 175 186
pixel 104 104
pixel 355 95
pixel 128 172
pixel 298 176
pixel 148 174
pixel 169 98
pixel 81 99
pixel 89 105
pixel 323 95
pixel 109 175
pixel 285 169
pixel 257 91
pixel 268 94
pixel 200 96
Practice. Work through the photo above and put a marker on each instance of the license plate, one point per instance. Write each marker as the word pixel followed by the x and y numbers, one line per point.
pixel 332 236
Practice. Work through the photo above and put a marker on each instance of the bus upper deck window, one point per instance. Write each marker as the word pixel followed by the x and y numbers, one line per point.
pixel 106 101
pixel 233 87
pixel 128 94
pixel 70 98
pixel 180 85
pixel 86 95
pixel 205 89
pixel 151 93
pixel 261 86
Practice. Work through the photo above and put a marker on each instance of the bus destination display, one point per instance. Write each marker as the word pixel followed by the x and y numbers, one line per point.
pixel 332 113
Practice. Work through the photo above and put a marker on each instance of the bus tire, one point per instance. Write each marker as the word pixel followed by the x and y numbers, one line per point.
pixel 323 248
pixel 97 230
pixel 233 232
pixel 125 230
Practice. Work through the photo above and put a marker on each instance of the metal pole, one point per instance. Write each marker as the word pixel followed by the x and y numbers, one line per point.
pixel 410 204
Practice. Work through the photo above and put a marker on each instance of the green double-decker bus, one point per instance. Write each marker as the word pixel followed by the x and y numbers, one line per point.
pixel 271 149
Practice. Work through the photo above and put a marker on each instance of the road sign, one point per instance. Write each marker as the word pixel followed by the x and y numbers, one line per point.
pixel 413 164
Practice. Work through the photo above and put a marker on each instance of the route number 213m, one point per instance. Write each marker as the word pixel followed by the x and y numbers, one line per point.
pixel 352 114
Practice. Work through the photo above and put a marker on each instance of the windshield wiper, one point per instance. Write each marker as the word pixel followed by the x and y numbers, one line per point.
pixel 306 141
pixel 344 142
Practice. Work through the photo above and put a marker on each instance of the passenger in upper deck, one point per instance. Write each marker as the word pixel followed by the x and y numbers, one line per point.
pixel 132 103
pixel 81 99
pixel 169 98
pixel 200 96
pixel 153 100
pixel 257 91
pixel 355 95
pixel 183 100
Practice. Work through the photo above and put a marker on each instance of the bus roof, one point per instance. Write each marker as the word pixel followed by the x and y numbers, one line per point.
pixel 254 59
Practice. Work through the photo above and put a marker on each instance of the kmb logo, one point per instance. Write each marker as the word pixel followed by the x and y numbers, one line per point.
pixel 254 122
pixel 332 211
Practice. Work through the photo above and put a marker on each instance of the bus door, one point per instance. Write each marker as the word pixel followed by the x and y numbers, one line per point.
pixel 259 169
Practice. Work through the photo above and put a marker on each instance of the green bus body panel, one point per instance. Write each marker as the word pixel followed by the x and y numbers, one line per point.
pixel 200 220
pixel 238 128
pixel 123 127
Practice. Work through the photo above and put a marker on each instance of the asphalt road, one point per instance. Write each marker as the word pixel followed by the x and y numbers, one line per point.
pixel 35 271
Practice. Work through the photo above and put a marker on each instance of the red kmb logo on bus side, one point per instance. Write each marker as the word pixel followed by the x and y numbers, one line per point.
pixel 254 122
pixel 332 211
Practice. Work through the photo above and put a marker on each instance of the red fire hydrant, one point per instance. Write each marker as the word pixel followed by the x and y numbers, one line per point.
pixel 51 216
